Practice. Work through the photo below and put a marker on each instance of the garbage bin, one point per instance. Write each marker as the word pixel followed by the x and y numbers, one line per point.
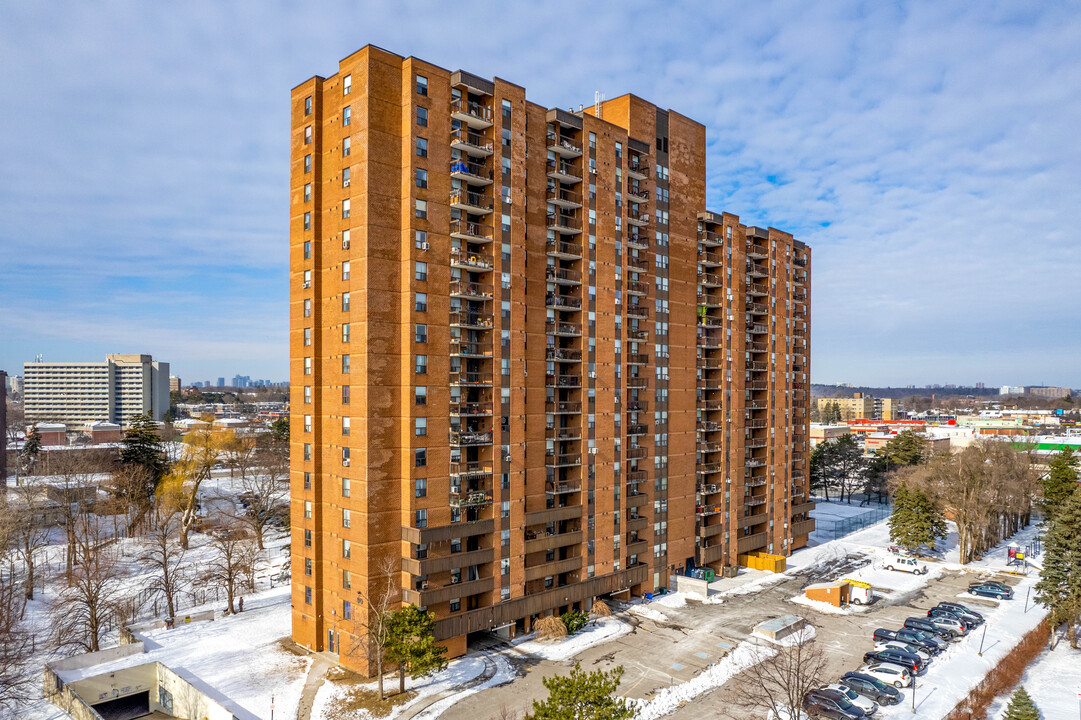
pixel 708 575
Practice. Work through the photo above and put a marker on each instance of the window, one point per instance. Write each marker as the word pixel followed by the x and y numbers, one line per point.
pixel 421 518
pixel 504 510
pixel 308 509
pixel 506 137
pixel 345 332
pixel 421 457
pixel 307 249
pixel 422 85
pixel 421 240
pixel 422 210
pixel 308 105
pixel 307 278
pixel 422 364
pixel 345 364
pixel 422 302
pixel 308 595
pixel 347 549
pixel 422 333
pixel 308 221
pixel 504 538
pixel 504 566
pixel 347 115
pixel 307 423
pixel 308 135
pixel 345 456
pixel 422 117
pixel 307 538
pixel 346 517
pixel 347 175
pixel 308 393
pixel 422 147
pixel 307 366
pixel 345 239
pixel 346 269
pixel 455 604
pixel 307 481
pixel 421 271
pixel 307 566
pixel 307 163
pixel 345 209
pixel 593 141
pixel 307 192
pixel 422 487
pixel 347 610
pixel 345 394
pixel 347 84
pixel 346 487
pixel 422 178
pixel 345 302
pixel 421 394
pixel 347 147
pixel 346 425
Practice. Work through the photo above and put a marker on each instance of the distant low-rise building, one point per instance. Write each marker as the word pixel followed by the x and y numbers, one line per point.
pixel 1011 390
pixel 821 432
pixel 174 384
pixel 102 432
pixel 859 406
pixel 1047 391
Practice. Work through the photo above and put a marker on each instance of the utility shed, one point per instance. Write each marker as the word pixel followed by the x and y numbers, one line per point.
pixel 834 593
pixel 779 628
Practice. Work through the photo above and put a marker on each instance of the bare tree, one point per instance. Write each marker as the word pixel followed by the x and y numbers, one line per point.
pixel 131 488
pixel 90 604
pixel 180 488
pixel 782 676
pixel 165 555
pixel 232 567
pixel 75 491
pixel 15 425
pixel 370 621
pixel 265 484
pixel 27 531
pixel 16 643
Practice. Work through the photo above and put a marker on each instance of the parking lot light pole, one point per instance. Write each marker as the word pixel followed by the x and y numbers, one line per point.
pixel 982 638
pixel 913 692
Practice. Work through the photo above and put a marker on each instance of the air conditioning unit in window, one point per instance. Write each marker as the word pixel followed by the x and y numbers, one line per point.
pixel 593 171
pixel 593 375
pixel 593 451
pixel 306 285
pixel 345 462
pixel 506 458
pixel 425 246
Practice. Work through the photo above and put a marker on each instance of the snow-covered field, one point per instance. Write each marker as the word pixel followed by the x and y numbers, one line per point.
pixel 1053 680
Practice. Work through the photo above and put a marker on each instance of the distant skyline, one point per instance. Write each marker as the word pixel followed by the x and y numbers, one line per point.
pixel 925 150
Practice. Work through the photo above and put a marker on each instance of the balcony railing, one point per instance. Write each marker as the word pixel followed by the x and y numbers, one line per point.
pixel 563 249
pixel 474 320
pixel 559 144
pixel 635 452
pixel 710 238
pixel 560 301
pixel 470 500
pixel 472 113
pixel 471 379
pixel 564 197
pixel 637 311
pixel 470 201
pixel 557 408
pixel 563 329
pixel 638 240
pixel 562 354
pixel 469 470
pixel 709 259
pixel 471 231
pixel 471 259
pixel 563 275
pixel 564 171
pixel 470 439
pixel 469 289
pixel 471 142
pixel 564 223
pixel 636 430
pixel 637 359
pixel 471 409
pixel 553 459
pixel 638 170
pixel 564 381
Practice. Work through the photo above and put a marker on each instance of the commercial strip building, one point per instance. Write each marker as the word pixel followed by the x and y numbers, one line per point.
pixel 528 367
pixel 79 393
pixel 859 406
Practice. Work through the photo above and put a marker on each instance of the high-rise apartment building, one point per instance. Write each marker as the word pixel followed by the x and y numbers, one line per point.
pixel 528 368
pixel 79 393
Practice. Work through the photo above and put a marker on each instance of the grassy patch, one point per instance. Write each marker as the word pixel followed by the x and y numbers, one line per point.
pixel 361 696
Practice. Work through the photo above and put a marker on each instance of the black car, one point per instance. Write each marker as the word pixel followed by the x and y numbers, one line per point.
pixel 830 704
pixel 925 625
pixel 897 657
pixel 872 688
pixel 967 623
pixel 884 635
pixel 927 641
pixel 966 613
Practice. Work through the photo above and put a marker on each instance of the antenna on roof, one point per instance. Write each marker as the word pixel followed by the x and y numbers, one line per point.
pixel 598 101
pixel 39 358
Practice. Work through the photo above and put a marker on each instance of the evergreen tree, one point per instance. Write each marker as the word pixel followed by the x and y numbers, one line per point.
pixel 1060 481
pixel 1059 588
pixel 930 520
pixel 906 448
pixel 279 430
pixel 31 447
pixel 142 447
pixel 915 521
pixel 1021 707
pixel 411 634
pixel 583 696
pixel 903 518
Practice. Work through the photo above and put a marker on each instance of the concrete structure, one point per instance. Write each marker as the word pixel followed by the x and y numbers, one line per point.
pixel 860 406
pixel 523 380
pixel 778 629
pixel 77 393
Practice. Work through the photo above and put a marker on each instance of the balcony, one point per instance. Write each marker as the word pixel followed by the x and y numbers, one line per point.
pixel 638 312
pixel 563 146
pixel 562 434
pixel 637 288
pixel 751 520
pixel 562 276
pixel 553 514
pixel 636 476
pixel 638 218
pixel 470 231
pixel 710 300
pixel 711 553
pixel 471 173
pixel 757 347
pixel 747 543
pixel 564 172
pixel 756 270
pixel 442 563
pixel 470 202
pixel 636 547
pixel 754 443
pixel 707 510
pixel 564 250
pixel 756 385
pixel 637 522
pixel 638 169
pixel 473 114
pixel 757 308
pixel 709 426
pixel 564 224
pixel 639 264
pixel 470 500
pixel 634 452
pixel 710 447
pixel 562 355
pixel 637 406
pixel 705 531
pixel 563 381
pixel 556 567
pixel 470 409
pixel 757 289
pixel 563 329
pixel 635 334
pixel 639 240
pixel 430 595
pixel 803 527
pixel 464 348
pixel 554 459
pixel 709 238
pixel 710 280
pixel 710 342
pixel 543 541
pixel 633 430
pixel 709 469
pixel 470 290
pixel 470 379
pixel 471 143
pixel 757 252
pixel 710 363
pixel 637 195
pixel 637 359
pixel 471 320
pixel 708 259
pixel 471 260
pixel 562 302
pixel 637 499
pixel 470 470
pixel 708 321
pixel 564 197
pixel 470 438
pixel 636 383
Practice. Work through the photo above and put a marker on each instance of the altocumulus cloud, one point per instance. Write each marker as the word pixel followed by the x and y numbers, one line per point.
pixel 925 150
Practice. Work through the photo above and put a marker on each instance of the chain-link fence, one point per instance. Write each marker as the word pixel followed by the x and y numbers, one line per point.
pixel 831 529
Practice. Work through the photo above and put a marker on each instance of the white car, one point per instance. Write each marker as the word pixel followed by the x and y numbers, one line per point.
pixel 901 645
pixel 889 673
pixel 867 705
pixel 906 564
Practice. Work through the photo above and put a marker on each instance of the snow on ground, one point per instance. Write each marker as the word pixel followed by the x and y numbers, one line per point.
pixel 673 600
pixel 648 613
pixel 1053 680
pixel 504 673
pixel 666 700
pixel 598 631
pixel 825 607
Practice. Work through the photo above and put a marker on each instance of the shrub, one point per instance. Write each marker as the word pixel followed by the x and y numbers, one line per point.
pixel 550 628
pixel 601 609
pixel 574 621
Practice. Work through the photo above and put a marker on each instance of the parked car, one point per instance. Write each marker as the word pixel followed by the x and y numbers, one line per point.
pixel 906 564
pixel 872 688
pixel 968 623
pixel 869 707
pixel 996 591
pixel 831 704
pixel 900 645
pixel 964 610
pixel 949 623
pixel 913 662
pixel 932 643
pixel 889 673
pixel 996 583
pixel 925 625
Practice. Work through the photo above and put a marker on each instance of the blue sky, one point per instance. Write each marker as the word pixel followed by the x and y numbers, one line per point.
pixel 927 151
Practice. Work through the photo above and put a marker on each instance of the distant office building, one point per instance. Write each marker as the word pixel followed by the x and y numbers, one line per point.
pixel 980 386
pixel 859 406
pixel 1047 391
pixel 14 385
pixel 221 382
pixel 79 393
pixel 1011 390
pixel 174 384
